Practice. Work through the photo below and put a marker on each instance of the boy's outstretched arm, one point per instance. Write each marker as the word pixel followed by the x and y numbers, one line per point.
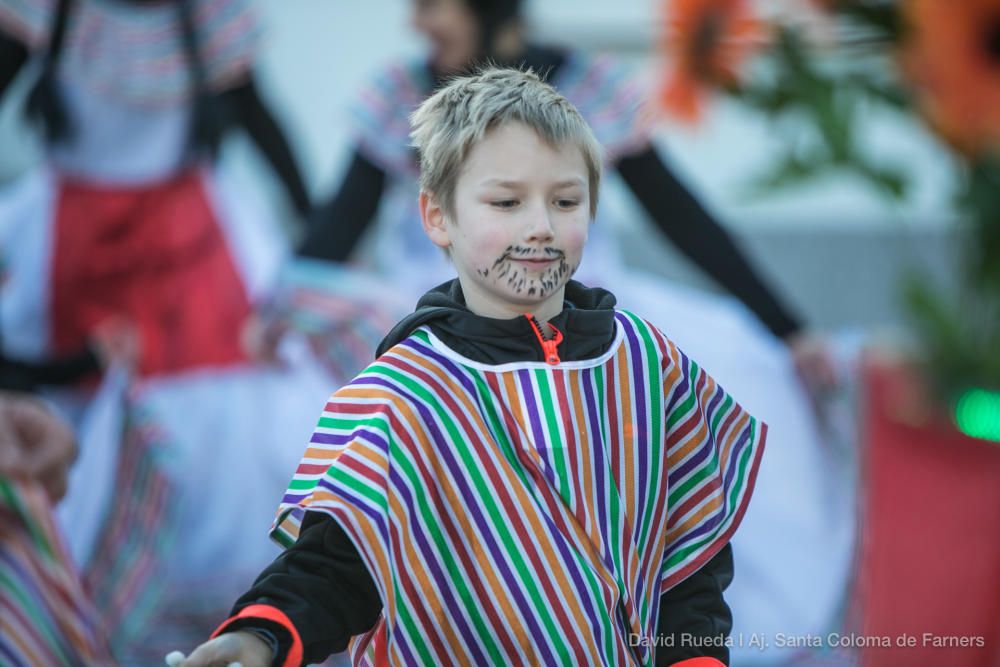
pixel 312 599
pixel 697 619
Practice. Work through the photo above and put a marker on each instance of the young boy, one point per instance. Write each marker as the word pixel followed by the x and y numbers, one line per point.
pixel 525 475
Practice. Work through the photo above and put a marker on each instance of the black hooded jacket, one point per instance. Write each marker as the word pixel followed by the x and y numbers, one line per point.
pixel 321 583
pixel 587 322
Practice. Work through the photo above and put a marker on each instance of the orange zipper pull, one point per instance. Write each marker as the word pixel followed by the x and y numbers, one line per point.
pixel 548 346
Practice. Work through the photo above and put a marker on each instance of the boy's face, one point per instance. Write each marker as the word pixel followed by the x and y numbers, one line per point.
pixel 521 217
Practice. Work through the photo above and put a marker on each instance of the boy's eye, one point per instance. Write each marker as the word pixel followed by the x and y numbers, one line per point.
pixel 567 203
pixel 505 203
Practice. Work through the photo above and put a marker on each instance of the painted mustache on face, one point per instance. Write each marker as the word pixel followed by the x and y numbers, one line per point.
pixel 516 252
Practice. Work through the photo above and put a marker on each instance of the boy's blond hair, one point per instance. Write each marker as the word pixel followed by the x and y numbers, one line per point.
pixel 450 122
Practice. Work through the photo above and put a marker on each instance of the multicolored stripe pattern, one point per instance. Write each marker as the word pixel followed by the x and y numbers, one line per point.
pixel 45 618
pixel 319 299
pixel 526 513
pixel 610 98
pixel 134 52
pixel 125 575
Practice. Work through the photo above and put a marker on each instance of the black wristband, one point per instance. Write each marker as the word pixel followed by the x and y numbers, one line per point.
pixel 269 639
pixel 274 635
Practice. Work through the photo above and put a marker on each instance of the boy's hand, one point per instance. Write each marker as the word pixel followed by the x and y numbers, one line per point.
pixel 245 648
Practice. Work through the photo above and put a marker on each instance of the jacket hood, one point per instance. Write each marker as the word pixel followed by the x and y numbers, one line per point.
pixel 587 323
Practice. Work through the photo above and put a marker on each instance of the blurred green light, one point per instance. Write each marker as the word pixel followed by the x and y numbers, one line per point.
pixel 977 414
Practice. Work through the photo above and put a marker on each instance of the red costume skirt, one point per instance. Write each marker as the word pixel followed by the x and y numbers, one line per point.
pixel 156 255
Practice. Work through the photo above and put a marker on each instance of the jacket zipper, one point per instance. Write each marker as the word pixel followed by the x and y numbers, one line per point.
pixel 548 346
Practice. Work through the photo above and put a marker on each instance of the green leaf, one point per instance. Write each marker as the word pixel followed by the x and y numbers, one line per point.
pixel 879 15
pixel 791 170
pixel 889 180
pixel 889 93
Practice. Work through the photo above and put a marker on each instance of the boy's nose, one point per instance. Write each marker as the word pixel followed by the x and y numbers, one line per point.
pixel 539 227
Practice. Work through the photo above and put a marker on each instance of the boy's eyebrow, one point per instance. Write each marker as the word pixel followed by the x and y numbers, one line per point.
pixel 505 183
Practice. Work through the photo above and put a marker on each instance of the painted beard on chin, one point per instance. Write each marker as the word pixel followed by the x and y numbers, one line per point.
pixel 510 269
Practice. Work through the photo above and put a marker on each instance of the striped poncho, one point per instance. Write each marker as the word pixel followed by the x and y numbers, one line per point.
pixel 526 513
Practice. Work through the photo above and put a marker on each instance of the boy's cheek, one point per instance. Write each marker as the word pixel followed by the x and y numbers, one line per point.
pixel 576 239
pixel 493 241
pixel 484 248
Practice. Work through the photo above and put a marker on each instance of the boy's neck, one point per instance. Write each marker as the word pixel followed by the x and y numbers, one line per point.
pixel 485 305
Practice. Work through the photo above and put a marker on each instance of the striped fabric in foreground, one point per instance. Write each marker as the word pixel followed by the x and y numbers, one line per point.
pixel 45 618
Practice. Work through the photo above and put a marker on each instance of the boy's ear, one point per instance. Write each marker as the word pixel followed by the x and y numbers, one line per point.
pixel 433 218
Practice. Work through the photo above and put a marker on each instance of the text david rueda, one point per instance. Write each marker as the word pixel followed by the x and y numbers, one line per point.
pixel 779 640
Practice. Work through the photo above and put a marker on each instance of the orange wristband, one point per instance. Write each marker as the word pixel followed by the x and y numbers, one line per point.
pixel 267 612
pixel 702 661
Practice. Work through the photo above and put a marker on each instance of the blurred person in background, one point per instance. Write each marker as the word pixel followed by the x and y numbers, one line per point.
pixel 130 216
pixel 793 557
pixel 140 224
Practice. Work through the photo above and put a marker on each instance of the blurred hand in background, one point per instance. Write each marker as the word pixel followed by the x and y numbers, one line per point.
pixel 35 444
pixel 117 340
pixel 814 363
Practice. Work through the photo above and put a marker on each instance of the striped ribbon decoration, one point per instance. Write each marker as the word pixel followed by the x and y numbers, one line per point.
pixel 320 300
pixel 527 513
pixel 125 574
pixel 45 618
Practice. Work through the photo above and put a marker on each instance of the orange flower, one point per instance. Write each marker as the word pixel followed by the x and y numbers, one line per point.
pixel 705 42
pixel 952 56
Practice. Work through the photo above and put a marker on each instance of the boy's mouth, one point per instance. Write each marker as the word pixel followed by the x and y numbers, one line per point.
pixel 535 262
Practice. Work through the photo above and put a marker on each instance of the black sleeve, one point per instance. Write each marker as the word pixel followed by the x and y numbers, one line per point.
pixel 336 227
pixel 322 585
pixel 251 112
pixel 679 215
pixel 29 376
pixel 13 55
pixel 695 616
